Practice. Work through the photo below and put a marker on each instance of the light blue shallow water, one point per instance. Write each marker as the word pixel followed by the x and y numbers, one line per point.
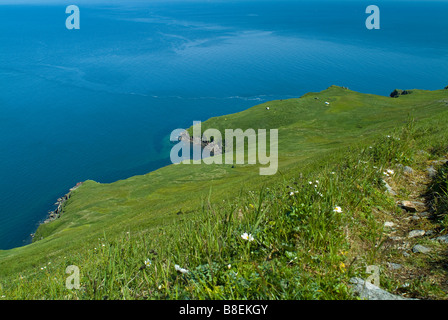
pixel 99 103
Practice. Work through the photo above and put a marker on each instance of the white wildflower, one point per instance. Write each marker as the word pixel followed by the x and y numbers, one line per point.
pixel 181 270
pixel 337 209
pixel 247 237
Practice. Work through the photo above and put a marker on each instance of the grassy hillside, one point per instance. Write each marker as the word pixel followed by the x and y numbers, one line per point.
pixel 193 215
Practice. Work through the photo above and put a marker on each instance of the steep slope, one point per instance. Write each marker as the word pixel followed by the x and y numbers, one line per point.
pixel 309 129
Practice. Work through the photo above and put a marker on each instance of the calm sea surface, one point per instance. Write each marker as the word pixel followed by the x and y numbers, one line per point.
pixel 100 102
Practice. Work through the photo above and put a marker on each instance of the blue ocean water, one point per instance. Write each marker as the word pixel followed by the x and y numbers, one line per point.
pixel 100 102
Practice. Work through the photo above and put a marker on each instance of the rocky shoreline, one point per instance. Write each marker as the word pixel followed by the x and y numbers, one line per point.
pixel 55 214
pixel 213 147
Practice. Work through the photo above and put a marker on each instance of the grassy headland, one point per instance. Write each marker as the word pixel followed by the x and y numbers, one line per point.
pixel 193 215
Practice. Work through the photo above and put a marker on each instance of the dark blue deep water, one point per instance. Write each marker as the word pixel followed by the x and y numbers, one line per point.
pixel 100 102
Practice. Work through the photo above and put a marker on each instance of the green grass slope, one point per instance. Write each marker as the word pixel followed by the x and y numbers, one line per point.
pixel 193 215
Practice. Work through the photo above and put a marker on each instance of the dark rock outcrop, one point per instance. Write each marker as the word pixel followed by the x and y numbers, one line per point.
pixel 398 92
pixel 53 215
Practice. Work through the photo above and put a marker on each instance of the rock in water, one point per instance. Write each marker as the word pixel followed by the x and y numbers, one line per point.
pixel 366 290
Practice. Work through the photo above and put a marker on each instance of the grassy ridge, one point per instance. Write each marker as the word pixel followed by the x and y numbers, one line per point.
pixel 194 215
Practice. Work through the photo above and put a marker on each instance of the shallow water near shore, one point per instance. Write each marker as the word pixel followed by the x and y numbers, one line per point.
pixel 100 102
